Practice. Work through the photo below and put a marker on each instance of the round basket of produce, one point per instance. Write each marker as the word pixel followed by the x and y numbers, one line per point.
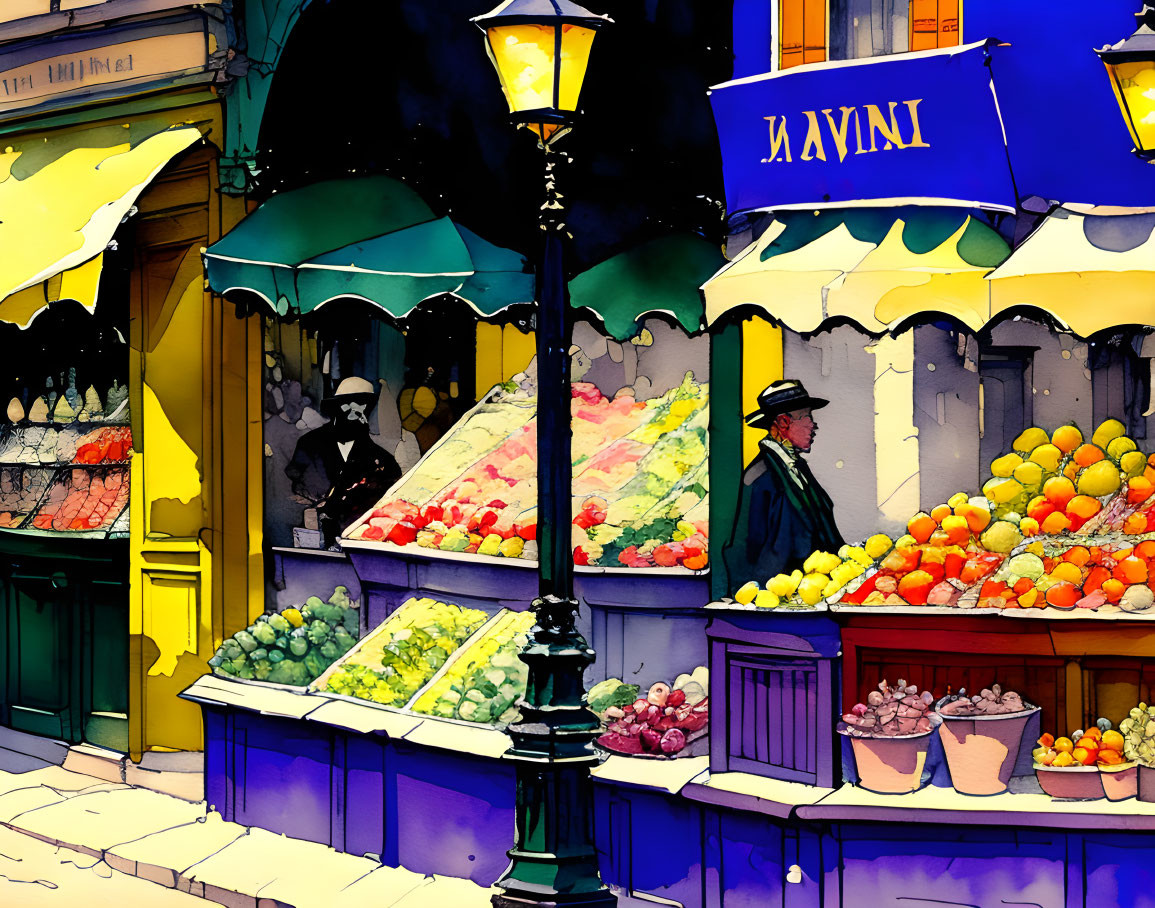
pixel 1120 781
pixel 981 737
pixel 889 735
pixel 1138 730
pixel 1085 766
pixel 1071 783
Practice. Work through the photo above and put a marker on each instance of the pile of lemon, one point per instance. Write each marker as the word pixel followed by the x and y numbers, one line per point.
pixel 823 575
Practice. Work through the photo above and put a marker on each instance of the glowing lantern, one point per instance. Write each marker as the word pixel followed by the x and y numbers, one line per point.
pixel 1131 67
pixel 540 49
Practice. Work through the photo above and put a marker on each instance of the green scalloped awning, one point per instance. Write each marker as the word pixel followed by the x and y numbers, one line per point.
pixel 659 276
pixel 372 239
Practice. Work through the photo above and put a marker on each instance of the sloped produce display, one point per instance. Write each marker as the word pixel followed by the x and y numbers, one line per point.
pixel 67 475
pixel 21 488
pixel 1063 526
pixel 429 658
pixel 401 656
pixel 486 679
pixel 83 499
pixel 640 481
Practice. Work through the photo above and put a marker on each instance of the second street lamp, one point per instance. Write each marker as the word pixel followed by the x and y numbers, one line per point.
pixel 1131 68
pixel 540 49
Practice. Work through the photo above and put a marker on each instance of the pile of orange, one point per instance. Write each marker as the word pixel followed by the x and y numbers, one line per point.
pixel 1092 747
pixel 1076 574
pixel 952 523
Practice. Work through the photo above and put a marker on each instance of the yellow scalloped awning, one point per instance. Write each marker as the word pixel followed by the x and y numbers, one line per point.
pixel 1067 268
pixel 876 267
pixel 61 201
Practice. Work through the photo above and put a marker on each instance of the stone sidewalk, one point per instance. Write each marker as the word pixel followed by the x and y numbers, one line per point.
pixel 185 846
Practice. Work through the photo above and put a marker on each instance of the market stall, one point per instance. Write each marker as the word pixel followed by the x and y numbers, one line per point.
pixel 414 711
pixel 462 523
pixel 65 443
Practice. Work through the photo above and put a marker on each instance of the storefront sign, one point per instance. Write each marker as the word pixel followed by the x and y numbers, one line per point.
pixel 131 62
pixel 912 126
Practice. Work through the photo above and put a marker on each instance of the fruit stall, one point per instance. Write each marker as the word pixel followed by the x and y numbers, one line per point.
pixel 1033 600
pixel 462 525
pixel 64 488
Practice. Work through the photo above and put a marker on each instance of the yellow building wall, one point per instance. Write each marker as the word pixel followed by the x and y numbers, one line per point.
pixel 196 560
pixel 502 352
pixel 761 364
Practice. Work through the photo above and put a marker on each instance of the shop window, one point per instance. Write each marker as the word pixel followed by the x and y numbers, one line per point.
pixel 802 32
pixel 860 29
pixel 422 376
pixel 868 28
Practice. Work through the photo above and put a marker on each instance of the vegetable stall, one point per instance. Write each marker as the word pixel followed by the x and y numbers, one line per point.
pixel 461 524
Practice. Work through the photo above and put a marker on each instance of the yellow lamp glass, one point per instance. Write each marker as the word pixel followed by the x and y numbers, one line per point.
pixel 576 43
pixel 526 59
pixel 1134 86
pixel 525 56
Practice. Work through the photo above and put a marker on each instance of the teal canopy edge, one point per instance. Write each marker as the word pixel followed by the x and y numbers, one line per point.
pixel 371 238
pixel 663 275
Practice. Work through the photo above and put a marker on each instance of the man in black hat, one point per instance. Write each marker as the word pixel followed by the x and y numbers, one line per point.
pixel 338 467
pixel 784 514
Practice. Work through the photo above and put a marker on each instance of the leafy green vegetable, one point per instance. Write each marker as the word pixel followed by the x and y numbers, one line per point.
pixel 611 692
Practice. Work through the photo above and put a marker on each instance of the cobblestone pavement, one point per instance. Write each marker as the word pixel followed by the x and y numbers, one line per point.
pixel 34 873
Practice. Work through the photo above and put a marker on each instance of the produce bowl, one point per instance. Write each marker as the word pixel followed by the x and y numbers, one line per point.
pixel 890 764
pixel 1145 791
pixel 697 745
pixel 981 751
pixel 1120 782
pixel 1071 783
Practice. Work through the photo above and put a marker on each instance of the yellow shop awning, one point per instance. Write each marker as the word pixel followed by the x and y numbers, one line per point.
pixel 1090 272
pixel 877 267
pixel 61 200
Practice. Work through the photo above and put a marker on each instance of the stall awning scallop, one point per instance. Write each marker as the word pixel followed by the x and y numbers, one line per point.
pixel 372 239
pixel 877 267
pixel 61 200
pixel 1090 272
pixel 659 276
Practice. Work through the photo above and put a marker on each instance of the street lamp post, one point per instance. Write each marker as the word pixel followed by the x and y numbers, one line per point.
pixel 1131 68
pixel 540 49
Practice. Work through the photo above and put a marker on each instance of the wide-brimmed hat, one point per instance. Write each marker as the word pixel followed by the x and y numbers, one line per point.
pixel 351 390
pixel 782 396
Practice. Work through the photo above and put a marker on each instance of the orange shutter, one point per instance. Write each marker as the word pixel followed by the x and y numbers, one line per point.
pixel 802 32
pixel 933 24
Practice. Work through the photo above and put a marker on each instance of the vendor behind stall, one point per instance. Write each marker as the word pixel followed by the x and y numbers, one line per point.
pixel 338 467
pixel 784 514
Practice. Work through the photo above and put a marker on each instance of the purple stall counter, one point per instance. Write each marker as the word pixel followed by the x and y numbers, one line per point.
pixel 301 573
pixel 645 625
pixel 649 845
pixel 773 678
pixel 421 792
pixel 391 574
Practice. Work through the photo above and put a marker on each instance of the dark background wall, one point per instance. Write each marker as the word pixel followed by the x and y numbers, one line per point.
pixel 405 88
